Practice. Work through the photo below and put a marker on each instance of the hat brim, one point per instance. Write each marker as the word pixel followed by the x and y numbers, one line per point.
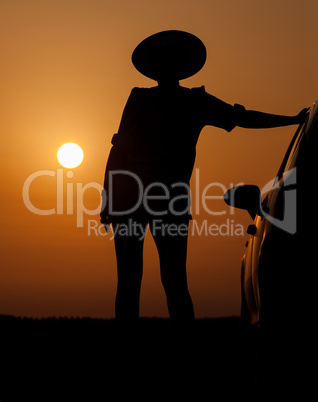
pixel 169 54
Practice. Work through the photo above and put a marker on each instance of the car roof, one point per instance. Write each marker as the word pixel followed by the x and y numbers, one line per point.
pixel 307 129
pixel 313 116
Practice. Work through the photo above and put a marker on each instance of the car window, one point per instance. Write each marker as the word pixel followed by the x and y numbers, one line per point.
pixel 290 163
pixel 292 152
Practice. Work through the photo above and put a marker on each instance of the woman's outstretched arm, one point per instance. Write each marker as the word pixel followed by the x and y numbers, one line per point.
pixel 254 119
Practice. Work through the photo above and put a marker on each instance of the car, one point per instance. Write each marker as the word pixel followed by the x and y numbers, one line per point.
pixel 278 267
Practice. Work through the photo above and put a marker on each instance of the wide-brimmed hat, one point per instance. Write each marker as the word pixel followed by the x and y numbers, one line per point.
pixel 169 54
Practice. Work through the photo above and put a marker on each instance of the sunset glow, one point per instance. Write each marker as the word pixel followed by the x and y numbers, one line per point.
pixel 66 74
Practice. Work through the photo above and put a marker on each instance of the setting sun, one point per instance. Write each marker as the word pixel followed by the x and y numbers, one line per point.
pixel 70 155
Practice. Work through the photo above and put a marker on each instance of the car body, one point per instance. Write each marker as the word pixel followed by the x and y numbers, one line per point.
pixel 277 268
pixel 278 286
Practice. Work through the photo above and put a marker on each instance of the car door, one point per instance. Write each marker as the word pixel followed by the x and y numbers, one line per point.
pixel 279 247
pixel 264 239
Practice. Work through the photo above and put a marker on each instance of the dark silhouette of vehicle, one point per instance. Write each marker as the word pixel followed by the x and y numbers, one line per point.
pixel 277 285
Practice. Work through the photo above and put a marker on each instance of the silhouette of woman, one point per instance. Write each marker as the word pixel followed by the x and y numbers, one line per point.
pixel 151 161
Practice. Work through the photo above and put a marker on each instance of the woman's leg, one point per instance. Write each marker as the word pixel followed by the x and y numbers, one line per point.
pixel 172 248
pixel 129 242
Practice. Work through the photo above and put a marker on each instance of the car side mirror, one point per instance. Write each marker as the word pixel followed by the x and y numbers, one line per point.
pixel 246 197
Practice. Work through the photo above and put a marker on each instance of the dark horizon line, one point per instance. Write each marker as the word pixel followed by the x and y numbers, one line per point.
pixel 87 318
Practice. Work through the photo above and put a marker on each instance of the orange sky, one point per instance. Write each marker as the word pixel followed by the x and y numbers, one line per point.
pixel 65 76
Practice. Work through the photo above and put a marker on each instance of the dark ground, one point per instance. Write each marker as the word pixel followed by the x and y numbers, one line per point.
pixel 96 360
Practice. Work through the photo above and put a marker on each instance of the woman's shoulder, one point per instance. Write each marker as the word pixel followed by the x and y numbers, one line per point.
pixel 143 93
pixel 180 88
